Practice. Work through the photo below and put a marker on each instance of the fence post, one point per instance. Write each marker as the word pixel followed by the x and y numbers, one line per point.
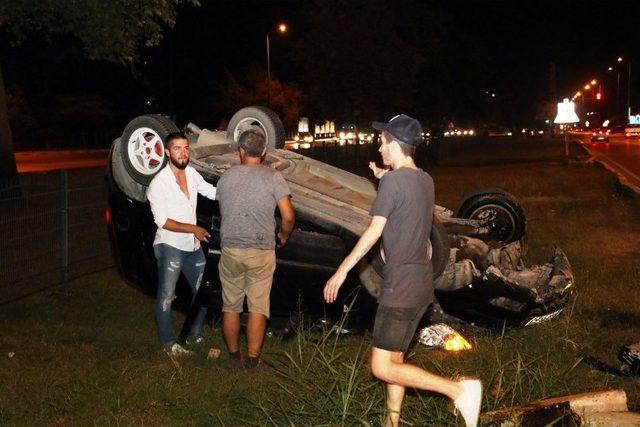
pixel 64 227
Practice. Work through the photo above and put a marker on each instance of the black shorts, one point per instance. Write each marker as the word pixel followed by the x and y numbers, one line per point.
pixel 394 327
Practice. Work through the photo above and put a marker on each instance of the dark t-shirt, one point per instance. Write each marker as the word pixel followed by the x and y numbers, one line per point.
pixel 248 198
pixel 405 198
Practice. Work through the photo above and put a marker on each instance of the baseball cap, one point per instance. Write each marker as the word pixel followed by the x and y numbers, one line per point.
pixel 403 128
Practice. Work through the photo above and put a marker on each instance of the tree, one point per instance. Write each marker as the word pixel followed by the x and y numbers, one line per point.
pixel 286 99
pixel 369 59
pixel 114 31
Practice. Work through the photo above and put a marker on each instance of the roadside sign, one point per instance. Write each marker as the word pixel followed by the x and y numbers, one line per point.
pixel 566 112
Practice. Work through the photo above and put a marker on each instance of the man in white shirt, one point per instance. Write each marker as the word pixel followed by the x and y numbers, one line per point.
pixel 173 196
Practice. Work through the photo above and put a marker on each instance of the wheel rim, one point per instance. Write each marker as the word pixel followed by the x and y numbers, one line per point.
pixel 503 223
pixel 246 124
pixel 146 151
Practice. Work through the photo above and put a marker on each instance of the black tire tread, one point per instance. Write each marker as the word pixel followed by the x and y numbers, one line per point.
pixel 272 124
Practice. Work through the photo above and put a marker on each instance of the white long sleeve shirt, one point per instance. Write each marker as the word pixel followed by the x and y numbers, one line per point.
pixel 169 202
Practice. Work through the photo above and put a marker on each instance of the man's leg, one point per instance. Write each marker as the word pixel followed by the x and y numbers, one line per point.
pixel 395 396
pixel 232 278
pixel 386 366
pixel 262 264
pixel 193 269
pixel 169 265
pixel 231 331
pixel 256 328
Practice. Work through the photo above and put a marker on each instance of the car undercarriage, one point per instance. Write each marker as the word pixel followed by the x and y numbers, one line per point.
pixel 480 276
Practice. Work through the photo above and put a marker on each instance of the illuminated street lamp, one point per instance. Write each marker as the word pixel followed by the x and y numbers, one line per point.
pixel 282 28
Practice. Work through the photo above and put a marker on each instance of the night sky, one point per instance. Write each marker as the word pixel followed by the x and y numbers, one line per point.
pixel 501 47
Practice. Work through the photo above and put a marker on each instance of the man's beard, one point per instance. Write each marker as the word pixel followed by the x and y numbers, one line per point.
pixel 176 163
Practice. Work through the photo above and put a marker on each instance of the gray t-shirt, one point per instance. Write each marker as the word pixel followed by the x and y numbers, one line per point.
pixel 248 198
pixel 406 197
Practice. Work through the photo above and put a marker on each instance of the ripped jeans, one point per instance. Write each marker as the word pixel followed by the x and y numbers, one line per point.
pixel 171 262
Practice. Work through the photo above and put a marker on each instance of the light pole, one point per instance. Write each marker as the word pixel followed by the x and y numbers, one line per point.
pixel 619 60
pixel 282 28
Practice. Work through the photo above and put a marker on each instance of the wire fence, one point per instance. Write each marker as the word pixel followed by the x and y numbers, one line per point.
pixel 52 229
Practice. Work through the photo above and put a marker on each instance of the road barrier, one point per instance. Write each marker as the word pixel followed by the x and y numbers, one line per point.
pixel 52 229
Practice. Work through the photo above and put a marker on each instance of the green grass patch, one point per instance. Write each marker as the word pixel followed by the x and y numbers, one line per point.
pixel 91 357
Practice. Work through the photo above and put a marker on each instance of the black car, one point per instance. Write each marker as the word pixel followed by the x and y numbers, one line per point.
pixel 476 252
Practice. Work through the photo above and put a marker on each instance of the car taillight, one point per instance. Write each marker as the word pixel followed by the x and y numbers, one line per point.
pixel 107 216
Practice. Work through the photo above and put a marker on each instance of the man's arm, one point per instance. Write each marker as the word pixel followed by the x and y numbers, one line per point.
pixel 365 243
pixel 288 219
pixel 181 227
pixel 158 204
pixel 205 188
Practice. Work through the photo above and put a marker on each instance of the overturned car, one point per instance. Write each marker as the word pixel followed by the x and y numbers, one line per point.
pixel 480 277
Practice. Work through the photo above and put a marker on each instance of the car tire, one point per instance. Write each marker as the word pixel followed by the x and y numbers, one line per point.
pixel 121 177
pixel 371 270
pixel 261 118
pixel 142 146
pixel 501 209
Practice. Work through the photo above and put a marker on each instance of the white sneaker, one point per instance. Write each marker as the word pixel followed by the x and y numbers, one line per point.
pixel 177 350
pixel 469 401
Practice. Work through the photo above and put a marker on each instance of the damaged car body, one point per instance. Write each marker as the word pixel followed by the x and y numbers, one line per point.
pixel 479 273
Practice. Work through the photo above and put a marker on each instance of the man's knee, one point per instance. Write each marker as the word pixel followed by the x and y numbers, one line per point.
pixel 382 362
pixel 165 302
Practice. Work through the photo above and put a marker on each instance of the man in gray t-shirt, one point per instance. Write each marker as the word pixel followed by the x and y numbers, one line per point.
pixel 248 196
pixel 402 214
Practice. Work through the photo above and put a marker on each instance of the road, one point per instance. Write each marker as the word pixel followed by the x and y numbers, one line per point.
pixel 621 155
pixel 43 161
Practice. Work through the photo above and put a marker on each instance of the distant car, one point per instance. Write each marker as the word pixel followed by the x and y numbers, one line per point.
pixel 480 276
pixel 499 132
pixel 600 135
pixel 632 131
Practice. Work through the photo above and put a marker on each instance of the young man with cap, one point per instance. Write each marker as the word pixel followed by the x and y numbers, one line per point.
pixel 249 194
pixel 402 214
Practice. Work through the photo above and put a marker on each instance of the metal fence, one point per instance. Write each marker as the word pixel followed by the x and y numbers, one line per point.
pixel 52 229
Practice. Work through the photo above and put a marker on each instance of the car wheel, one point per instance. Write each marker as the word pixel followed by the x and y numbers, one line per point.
pixel 371 271
pixel 143 146
pixel 498 208
pixel 257 117
pixel 121 177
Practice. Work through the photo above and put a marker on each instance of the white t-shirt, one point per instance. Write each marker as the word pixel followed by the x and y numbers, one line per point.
pixel 169 202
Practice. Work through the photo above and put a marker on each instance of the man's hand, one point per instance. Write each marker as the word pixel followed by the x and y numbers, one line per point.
pixel 333 286
pixel 377 172
pixel 201 234
pixel 282 239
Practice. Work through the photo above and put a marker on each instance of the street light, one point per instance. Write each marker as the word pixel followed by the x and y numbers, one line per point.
pixel 621 59
pixel 282 28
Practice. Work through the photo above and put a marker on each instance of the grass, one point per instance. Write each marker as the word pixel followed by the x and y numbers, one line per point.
pixel 91 358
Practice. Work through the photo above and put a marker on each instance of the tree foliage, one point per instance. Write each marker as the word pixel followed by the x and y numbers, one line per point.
pixel 113 30
pixel 285 99
pixel 364 59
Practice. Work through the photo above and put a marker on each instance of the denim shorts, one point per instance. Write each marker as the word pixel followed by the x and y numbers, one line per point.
pixel 395 327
